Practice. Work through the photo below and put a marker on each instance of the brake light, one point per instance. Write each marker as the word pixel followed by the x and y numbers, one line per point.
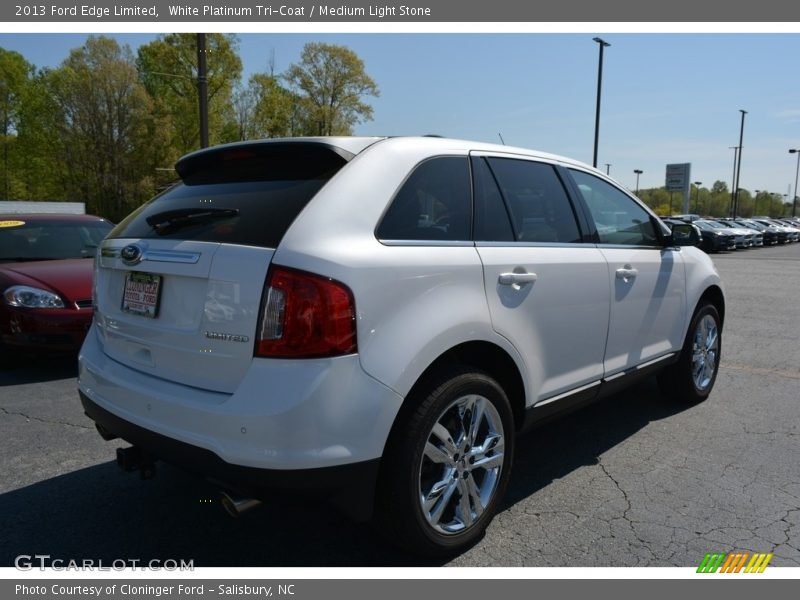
pixel 305 316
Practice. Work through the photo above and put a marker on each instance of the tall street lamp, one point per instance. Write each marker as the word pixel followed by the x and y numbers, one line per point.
pixel 797 170
pixel 638 172
pixel 733 178
pixel 739 165
pixel 603 44
pixel 697 185
pixel 202 88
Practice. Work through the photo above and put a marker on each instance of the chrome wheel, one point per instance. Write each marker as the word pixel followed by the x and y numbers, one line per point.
pixel 461 464
pixel 705 352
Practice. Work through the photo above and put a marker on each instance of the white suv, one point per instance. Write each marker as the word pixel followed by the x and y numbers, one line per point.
pixel 375 320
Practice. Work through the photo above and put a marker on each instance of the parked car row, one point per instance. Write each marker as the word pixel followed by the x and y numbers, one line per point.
pixel 731 233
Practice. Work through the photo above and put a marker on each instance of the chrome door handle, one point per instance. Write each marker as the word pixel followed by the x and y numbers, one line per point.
pixel 627 273
pixel 516 278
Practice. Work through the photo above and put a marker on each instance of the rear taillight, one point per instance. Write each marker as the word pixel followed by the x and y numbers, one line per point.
pixel 305 316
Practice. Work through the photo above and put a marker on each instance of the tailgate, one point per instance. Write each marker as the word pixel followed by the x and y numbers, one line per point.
pixel 190 312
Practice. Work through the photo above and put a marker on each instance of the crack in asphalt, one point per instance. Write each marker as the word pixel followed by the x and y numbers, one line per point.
pixel 772 432
pixel 759 370
pixel 640 561
pixel 5 411
pixel 741 537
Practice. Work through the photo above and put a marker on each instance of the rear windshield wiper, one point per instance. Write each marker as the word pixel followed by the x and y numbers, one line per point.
pixel 170 220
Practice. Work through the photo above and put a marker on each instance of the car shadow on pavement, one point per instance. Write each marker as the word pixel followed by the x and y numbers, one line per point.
pixel 37 369
pixel 554 449
pixel 101 513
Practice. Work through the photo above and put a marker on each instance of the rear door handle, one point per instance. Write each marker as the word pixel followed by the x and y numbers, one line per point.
pixel 516 278
pixel 627 273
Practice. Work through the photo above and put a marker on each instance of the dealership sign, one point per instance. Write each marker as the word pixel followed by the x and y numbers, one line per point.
pixel 678 176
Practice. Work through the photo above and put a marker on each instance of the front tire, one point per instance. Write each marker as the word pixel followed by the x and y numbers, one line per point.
pixel 447 464
pixel 692 378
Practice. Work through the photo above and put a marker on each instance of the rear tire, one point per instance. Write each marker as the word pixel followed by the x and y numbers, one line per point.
pixel 447 464
pixel 692 378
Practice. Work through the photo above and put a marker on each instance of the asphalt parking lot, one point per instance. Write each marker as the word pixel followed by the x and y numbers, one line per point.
pixel 632 481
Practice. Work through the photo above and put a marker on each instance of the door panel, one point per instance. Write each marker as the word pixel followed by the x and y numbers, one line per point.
pixel 559 321
pixel 647 280
pixel 647 305
pixel 548 292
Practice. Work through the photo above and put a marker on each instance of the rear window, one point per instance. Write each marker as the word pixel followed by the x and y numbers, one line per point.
pixel 22 240
pixel 247 195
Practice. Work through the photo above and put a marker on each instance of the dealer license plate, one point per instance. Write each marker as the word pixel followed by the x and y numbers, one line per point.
pixel 141 294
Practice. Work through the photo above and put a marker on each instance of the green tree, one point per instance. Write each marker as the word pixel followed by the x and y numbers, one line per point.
pixel 41 169
pixel 264 109
pixel 330 82
pixel 168 69
pixel 719 187
pixel 104 132
pixel 745 205
pixel 15 75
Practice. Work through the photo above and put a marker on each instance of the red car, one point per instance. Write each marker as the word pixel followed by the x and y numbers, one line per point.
pixel 46 280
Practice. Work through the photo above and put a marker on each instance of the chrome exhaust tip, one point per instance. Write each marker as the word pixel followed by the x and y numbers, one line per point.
pixel 236 505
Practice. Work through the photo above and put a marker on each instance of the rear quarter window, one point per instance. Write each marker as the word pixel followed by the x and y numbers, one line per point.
pixel 246 195
pixel 434 203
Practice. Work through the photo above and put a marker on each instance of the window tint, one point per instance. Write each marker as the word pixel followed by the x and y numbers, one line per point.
pixel 492 223
pixel 242 195
pixel 537 202
pixel 433 204
pixel 618 218
pixel 51 240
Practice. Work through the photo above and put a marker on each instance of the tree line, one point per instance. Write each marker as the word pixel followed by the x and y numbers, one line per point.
pixel 716 202
pixel 107 124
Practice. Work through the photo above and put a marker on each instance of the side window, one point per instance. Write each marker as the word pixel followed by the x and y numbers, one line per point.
pixel 537 202
pixel 492 223
pixel 618 218
pixel 434 203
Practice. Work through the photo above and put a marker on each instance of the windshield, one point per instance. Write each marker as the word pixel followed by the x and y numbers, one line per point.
pixel 54 239
pixel 751 225
pixel 708 225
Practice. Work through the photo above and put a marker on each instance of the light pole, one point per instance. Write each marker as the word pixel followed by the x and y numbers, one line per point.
pixel 602 44
pixel 797 170
pixel 202 88
pixel 608 168
pixel 697 185
pixel 638 172
pixel 733 179
pixel 739 165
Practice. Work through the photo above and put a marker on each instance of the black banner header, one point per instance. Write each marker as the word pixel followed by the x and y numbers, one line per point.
pixel 414 11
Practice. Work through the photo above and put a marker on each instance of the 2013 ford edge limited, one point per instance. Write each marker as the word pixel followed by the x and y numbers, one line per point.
pixel 374 320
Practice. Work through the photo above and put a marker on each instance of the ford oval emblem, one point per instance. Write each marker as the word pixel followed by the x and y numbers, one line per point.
pixel 131 254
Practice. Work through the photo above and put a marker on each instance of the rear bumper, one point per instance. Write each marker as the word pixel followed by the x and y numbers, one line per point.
pixel 350 486
pixel 284 415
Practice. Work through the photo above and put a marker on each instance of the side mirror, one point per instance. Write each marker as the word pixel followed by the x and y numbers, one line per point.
pixel 686 234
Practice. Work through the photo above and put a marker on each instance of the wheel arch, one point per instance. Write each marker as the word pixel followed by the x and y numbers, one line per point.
pixel 484 356
pixel 713 294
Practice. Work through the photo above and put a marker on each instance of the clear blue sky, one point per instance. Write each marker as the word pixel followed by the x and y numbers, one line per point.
pixel 666 97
